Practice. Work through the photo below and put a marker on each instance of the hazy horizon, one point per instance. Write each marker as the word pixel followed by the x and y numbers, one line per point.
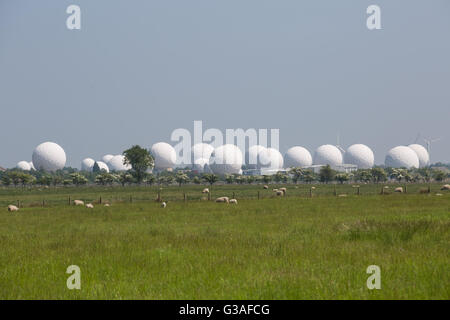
pixel 137 70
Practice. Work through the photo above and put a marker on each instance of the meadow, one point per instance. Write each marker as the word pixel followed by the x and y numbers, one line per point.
pixel 296 247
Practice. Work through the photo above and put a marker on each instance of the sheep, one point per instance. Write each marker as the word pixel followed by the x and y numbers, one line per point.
pixel 446 187
pixel 274 190
pixel 233 201
pixel 90 206
pixel 12 208
pixel 78 202
pixel 399 189
pixel 313 188
pixel 342 195
pixel 439 194
pixel 280 193
pixel 283 189
pixel 223 199
pixel 107 205
pixel 163 205
pixel 266 187
pixel 206 190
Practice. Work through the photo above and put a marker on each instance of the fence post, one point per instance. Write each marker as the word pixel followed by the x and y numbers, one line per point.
pixel 100 200
pixel 258 195
pixel 335 193
pixel 184 196
pixel 233 195
pixel 18 203
pixel 43 203
pixel 406 190
pixel 70 201
pixel 358 190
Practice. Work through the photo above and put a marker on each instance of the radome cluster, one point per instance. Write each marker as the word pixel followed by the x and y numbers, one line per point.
pixel 229 159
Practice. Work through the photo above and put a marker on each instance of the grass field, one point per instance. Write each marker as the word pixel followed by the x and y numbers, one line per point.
pixel 291 248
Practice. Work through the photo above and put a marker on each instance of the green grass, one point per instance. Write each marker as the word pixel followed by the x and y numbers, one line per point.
pixel 292 248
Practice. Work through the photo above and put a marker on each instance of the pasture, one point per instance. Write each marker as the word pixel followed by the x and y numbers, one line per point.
pixel 295 247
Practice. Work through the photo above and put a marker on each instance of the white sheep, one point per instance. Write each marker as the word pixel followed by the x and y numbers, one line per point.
pixel 233 201
pixel 78 202
pixel 107 205
pixel 280 193
pixel 12 208
pixel 446 187
pixel 163 205
pixel 266 187
pixel 398 189
pixel 206 190
pixel 223 199
pixel 90 206
pixel 283 190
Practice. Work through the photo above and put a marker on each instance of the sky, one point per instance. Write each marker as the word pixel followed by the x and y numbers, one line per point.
pixel 137 70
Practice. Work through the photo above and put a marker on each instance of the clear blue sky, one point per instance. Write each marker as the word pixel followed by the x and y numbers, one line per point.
pixel 139 69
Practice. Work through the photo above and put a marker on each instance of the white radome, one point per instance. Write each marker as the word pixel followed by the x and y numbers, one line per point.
pixel 87 164
pixel 49 156
pixel 116 164
pixel 31 165
pixel 360 155
pixel 297 157
pixel 23 165
pixel 328 154
pixel 201 151
pixel 422 154
pixel 164 155
pixel 252 156
pixel 226 159
pixel 199 164
pixel 402 157
pixel 107 157
pixel 270 158
pixel 103 166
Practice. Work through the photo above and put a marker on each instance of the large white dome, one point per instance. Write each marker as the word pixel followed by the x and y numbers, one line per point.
pixel 87 164
pixel 23 165
pixel 270 158
pixel 297 157
pixel 251 157
pixel 107 157
pixel 201 151
pixel 116 164
pixel 226 159
pixel 402 157
pixel 360 155
pixel 164 155
pixel 103 166
pixel 422 154
pixel 49 156
pixel 328 154
pixel 31 165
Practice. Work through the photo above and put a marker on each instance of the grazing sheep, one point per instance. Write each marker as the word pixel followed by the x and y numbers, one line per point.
pixel 446 187
pixel 398 189
pixel 206 190
pixel 163 205
pixel 233 201
pixel 386 187
pixel 274 190
pixel 423 191
pixel 283 189
pixel 313 188
pixel 107 205
pixel 90 206
pixel 12 208
pixel 78 202
pixel 342 195
pixel 280 193
pixel 266 187
pixel 223 199
pixel 439 194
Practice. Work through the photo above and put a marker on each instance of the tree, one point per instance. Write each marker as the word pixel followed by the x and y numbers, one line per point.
pixel 342 177
pixel 181 178
pixel 378 175
pixel 266 179
pixel 140 161
pixel 150 179
pixel 96 168
pixel 251 179
pixel 210 178
pixel 439 175
pixel 297 174
pixel 78 179
pixel 229 178
pixel 124 178
pixel 104 178
pixel 326 174
pixel 196 180
pixel 309 176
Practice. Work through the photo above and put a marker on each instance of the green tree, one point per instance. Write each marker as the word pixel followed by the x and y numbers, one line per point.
pixel 96 168
pixel 378 175
pixel 78 179
pixel 309 176
pixel 326 174
pixel 297 174
pixel 140 161
pixel 266 179
pixel 229 178
pixel 150 179
pixel 124 178
pixel 181 178
pixel 196 180
pixel 210 178
pixel 342 177
pixel 439 175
